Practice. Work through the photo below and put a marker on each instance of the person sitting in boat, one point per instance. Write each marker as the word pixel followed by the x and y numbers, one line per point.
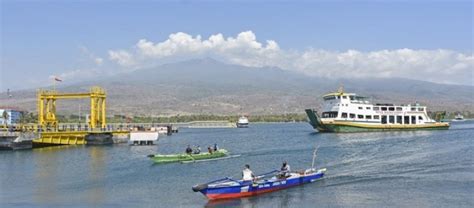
pixel 189 150
pixel 209 149
pixel 197 150
pixel 215 147
pixel 247 174
pixel 285 170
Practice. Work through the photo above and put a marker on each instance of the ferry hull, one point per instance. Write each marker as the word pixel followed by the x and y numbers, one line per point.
pixel 349 126
pixel 342 128
pixel 242 125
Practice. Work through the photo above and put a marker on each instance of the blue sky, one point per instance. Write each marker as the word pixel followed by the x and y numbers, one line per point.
pixel 43 38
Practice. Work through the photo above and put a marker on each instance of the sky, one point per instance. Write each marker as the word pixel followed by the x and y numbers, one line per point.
pixel 80 40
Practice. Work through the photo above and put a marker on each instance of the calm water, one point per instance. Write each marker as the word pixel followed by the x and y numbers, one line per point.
pixel 419 168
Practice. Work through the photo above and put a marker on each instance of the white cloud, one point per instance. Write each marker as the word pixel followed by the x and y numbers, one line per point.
pixel 122 57
pixel 443 66
pixel 91 56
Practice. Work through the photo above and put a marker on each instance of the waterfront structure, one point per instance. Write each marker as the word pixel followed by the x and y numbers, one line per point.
pixel 144 137
pixel 47 106
pixel 348 112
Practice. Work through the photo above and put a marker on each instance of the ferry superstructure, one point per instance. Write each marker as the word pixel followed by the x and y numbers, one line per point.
pixel 348 112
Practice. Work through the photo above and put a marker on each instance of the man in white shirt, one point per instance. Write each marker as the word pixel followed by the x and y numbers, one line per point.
pixel 247 174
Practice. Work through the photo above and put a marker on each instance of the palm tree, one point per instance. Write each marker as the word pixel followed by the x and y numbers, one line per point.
pixel 5 117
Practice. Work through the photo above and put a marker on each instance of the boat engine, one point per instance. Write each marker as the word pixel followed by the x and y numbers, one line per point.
pixel 199 187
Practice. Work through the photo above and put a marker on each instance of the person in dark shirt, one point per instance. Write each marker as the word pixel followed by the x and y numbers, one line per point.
pixel 285 170
pixel 189 150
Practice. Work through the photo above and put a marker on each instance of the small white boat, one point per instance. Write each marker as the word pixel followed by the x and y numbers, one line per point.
pixel 243 122
pixel 458 117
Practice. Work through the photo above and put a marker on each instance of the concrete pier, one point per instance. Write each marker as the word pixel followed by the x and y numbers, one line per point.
pixel 99 138
pixel 16 140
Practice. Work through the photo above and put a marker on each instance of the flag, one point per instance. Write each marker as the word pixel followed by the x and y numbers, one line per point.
pixel 57 79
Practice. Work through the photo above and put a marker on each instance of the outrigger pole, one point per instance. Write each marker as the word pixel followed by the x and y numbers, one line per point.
pixel 314 157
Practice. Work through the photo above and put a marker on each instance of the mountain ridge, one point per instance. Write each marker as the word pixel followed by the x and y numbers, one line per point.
pixel 207 86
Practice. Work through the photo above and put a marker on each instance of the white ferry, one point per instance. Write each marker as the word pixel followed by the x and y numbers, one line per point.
pixel 348 112
pixel 243 122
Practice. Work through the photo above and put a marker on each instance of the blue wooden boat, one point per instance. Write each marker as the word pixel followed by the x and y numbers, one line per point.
pixel 228 188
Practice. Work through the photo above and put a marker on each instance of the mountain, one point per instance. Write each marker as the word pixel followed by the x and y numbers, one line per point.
pixel 206 86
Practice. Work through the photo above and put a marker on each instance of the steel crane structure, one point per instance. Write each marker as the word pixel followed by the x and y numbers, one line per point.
pixel 47 106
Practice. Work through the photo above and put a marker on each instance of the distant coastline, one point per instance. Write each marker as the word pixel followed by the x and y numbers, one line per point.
pixel 272 118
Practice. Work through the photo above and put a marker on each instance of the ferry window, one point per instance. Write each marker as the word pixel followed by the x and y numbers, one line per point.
pixel 346 105
pixel 360 108
pixel 384 119
pixel 352 115
pixel 344 115
pixel 360 116
pixel 377 117
pixel 391 109
pixel 384 108
pixel 420 118
pixel 399 108
pixel 368 117
pixel 399 120
pixel 420 109
pixel 413 109
pixel 330 98
pixel 330 114
pixel 413 119
pixel 338 97
pixel 391 119
pixel 376 108
pixel 344 97
pixel 368 108
pixel 406 120
pixel 351 97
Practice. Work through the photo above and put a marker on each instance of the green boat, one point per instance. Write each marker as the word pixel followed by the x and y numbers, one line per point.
pixel 188 157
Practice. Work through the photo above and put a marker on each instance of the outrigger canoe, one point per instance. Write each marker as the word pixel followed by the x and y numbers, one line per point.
pixel 188 157
pixel 228 188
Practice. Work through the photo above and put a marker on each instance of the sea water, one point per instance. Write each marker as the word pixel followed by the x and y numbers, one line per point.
pixel 378 169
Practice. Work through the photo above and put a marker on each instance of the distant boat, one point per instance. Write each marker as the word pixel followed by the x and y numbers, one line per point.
pixel 458 117
pixel 243 122
pixel 349 112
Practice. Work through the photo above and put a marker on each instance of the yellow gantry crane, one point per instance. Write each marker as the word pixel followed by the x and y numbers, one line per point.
pixel 47 106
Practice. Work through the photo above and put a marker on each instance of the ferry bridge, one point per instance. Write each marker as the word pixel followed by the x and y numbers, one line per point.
pixel 49 130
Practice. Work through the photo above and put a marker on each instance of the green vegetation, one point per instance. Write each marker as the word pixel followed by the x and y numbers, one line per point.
pixel 32 118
